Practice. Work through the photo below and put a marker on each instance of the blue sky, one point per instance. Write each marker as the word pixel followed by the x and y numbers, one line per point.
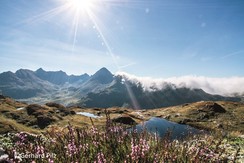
pixel 156 38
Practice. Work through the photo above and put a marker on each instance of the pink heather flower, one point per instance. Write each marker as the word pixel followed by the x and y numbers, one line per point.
pixel 50 161
pixel 94 130
pixel 72 148
pixel 138 150
pixel 83 147
pixel 100 158
pixel 39 149
pixel 95 143
pixel 22 138
pixel 116 129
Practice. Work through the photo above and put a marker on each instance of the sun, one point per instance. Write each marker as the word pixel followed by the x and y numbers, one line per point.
pixel 82 5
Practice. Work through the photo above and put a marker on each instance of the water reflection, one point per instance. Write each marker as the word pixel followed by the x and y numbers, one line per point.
pixel 162 126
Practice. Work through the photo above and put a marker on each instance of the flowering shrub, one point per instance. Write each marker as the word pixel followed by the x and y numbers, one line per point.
pixel 112 143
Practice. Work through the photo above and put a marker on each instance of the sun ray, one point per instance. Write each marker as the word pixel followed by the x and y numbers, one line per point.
pixel 46 15
pixel 93 19
pixel 76 26
pixel 80 9
pixel 82 4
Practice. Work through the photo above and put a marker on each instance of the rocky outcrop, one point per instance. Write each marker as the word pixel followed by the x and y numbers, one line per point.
pixel 33 109
pixel 124 120
pixel 53 104
pixel 2 97
pixel 44 121
pixel 213 107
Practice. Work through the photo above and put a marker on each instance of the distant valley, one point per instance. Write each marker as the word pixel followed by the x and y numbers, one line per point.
pixel 102 89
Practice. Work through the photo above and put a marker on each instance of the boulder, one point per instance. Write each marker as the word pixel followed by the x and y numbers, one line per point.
pixel 185 121
pixel 2 97
pixel 33 108
pixel 14 116
pixel 72 112
pixel 65 112
pixel 219 125
pixel 3 156
pixel 214 107
pixel 44 121
pixel 124 120
pixel 167 117
pixel 4 111
pixel 53 104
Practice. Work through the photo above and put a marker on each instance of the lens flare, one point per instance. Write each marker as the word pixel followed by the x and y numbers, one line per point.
pixel 80 10
pixel 82 5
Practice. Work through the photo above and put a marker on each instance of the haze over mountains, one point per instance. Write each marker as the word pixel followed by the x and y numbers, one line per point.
pixel 102 89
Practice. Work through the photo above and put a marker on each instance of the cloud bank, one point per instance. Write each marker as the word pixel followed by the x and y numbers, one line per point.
pixel 221 86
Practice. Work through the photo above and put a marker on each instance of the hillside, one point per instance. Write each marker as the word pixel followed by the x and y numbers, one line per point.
pixel 222 115
pixel 53 120
pixel 213 116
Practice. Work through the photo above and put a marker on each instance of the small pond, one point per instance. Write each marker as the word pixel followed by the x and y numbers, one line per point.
pixel 162 126
pixel 88 114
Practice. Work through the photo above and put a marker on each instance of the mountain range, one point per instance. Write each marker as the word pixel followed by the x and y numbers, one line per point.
pixel 102 89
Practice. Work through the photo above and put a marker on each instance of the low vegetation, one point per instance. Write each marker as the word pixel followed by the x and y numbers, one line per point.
pixel 54 133
pixel 213 116
pixel 113 143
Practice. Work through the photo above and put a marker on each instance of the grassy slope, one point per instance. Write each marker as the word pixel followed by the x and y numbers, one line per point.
pixel 231 121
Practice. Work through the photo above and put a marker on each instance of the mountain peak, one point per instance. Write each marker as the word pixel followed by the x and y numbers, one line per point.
pixel 103 76
pixel 103 69
pixel 25 74
pixel 23 70
pixel 55 77
pixel 40 69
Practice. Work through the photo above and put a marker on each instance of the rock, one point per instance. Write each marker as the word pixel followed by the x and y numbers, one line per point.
pixel 99 113
pixel 1 151
pixel 72 112
pixel 186 104
pixel 65 112
pixel 177 114
pixel 195 112
pixel 241 136
pixel 59 117
pixel 44 121
pixel 51 112
pixel 167 117
pixel 4 111
pixel 3 156
pixel 184 121
pixel 23 121
pixel 2 97
pixel 214 107
pixel 97 109
pixel 33 108
pixel 219 126
pixel 125 120
pixel 53 104
pixel 13 116
pixel 119 112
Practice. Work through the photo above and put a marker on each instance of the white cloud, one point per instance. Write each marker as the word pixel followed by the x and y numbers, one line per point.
pixel 221 86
